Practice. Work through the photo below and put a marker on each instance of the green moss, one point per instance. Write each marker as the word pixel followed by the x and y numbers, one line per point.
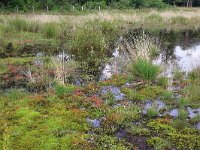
pixel 116 80
pixel 137 130
pixel 151 92
pixel 148 92
pixel 182 141
pixel 159 127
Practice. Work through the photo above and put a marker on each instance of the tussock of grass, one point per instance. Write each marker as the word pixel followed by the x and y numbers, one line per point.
pixel 145 70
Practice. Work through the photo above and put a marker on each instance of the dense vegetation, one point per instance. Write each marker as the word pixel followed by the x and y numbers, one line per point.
pixel 26 5
pixel 53 95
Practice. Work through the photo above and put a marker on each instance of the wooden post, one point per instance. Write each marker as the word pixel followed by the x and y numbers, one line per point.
pixel 73 8
pixel 17 8
pixel 33 9
pixel 82 8
pixel 99 8
pixel 47 8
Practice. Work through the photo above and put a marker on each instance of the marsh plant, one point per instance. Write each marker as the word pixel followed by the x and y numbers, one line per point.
pixel 145 70
pixel 142 46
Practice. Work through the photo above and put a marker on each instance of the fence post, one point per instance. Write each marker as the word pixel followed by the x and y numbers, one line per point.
pixel 33 9
pixel 17 8
pixel 73 8
pixel 99 8
pixel 82 8
pixel 47 8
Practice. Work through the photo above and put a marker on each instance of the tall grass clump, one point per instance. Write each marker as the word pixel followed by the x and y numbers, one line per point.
pixel 51 30
pixel 17 24
pixel 145 70
pixel 180 20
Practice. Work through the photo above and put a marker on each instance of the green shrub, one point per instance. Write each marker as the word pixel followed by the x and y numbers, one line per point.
pixel 145 70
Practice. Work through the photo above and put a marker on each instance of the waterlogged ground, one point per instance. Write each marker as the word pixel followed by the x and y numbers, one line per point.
pixel 106 115
pixel 102 106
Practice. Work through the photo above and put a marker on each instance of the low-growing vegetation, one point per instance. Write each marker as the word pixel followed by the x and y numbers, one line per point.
pixel 101 80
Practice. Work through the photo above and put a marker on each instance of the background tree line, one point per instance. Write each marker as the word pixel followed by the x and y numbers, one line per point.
pixel 93 4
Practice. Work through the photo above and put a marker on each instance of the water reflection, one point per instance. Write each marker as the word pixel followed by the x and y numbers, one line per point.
pixel 179 51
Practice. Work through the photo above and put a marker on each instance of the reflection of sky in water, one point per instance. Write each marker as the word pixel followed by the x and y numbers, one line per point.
pixel 187 59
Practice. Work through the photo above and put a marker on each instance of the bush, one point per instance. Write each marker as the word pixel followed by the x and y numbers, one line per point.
pixel 145 70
